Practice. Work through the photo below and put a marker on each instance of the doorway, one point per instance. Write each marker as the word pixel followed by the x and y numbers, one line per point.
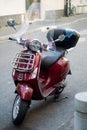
pixel 29 2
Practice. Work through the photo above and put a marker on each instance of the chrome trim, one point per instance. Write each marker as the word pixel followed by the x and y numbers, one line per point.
pixel 23 61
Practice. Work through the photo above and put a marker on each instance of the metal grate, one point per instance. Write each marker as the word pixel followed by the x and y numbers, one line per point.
pixel 23 62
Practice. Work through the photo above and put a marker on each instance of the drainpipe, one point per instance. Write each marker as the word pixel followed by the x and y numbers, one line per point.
pixel 69 7
pixel 66 7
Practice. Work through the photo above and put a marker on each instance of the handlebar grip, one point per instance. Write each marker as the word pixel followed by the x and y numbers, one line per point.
pixel 13 39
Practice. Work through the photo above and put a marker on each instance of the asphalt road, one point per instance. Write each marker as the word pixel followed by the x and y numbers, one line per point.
pixel 43 115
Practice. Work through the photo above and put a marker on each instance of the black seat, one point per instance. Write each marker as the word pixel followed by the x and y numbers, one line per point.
pixel 50 57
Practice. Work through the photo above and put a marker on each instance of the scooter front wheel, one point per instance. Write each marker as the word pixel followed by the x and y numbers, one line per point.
pixel 19 110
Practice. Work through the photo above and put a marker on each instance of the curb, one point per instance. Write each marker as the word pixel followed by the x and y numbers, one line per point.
pixel 43 28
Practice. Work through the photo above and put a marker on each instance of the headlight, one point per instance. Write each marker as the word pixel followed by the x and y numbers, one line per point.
pixel 35 45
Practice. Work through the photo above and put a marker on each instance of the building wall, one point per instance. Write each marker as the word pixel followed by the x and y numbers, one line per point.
pixel 11 9
pixel 54 5
pixel 78 2
pixel 81 6
pixel 52 9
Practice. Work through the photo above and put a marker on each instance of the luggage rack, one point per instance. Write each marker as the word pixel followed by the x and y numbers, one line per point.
pixel 23 62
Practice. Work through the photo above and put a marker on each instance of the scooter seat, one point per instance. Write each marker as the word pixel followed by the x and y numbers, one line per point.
pixel 50 57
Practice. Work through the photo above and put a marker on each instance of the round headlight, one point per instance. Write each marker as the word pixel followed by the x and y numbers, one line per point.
pixel 35 45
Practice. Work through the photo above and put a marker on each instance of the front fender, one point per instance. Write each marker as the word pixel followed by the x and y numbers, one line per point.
pixel 25 91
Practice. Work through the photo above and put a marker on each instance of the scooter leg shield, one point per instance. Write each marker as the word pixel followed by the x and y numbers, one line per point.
pixel 25 91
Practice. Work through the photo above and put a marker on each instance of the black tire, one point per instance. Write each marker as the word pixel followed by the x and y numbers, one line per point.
pixel 19 110
pixel 58 92
pixel 60 89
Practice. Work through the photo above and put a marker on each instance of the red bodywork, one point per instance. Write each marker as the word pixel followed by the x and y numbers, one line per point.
pixel 40 82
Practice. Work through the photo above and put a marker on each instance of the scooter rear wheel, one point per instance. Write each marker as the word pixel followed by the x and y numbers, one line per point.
pixel 60 89
pixel 19 110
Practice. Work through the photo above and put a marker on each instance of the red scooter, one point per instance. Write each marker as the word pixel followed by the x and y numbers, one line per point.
pixel 40 70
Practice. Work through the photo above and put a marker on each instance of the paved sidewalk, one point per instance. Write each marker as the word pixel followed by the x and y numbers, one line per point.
pixel 5 32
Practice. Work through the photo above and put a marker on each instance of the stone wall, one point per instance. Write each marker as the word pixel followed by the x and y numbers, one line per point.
pixel 54 14
pixel 81 9
pixel 3 19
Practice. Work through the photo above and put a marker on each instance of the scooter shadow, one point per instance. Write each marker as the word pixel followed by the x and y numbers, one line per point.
pixel 42 110
pixel 38 112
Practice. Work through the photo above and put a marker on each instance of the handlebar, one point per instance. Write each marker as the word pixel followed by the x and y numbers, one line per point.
pixel 20 41
pixel 25 43
pixel 13 39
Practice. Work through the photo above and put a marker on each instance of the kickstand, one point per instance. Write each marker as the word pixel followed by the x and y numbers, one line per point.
pixel 58 100
pixel 45 99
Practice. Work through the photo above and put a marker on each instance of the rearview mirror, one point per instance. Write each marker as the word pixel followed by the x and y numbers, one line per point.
pixel 61 37
pixel 11 22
